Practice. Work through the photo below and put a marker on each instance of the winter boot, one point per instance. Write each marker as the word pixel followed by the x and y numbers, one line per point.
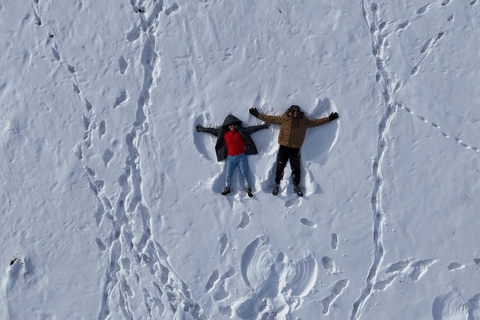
pixel 275 189
pixel 297 190
pixel 249 192
pixel 226 191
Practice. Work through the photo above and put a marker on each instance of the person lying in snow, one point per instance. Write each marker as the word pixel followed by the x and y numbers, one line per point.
pixel 234 144
pixel 293 126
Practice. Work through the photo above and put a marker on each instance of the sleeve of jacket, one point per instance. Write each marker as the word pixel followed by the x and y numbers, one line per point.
pixel 317 122
pixel 254 129
pixel 213 131
pixel 270 119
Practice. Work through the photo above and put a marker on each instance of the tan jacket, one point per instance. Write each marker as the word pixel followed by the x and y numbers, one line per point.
pixel 292 130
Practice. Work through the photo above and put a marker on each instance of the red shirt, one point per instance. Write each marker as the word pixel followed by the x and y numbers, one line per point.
pixel 233 143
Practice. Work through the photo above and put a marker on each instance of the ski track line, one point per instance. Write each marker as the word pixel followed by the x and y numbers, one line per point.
pixel 122 250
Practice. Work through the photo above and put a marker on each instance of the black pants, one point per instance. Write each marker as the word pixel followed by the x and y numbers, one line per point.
pixel 285 154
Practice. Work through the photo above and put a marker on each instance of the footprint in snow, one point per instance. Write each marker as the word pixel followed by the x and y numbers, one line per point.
pixel 308 223
pixel 223 243
pixel 292 202
pixel 455 266
pixel 420 268
pixel 336 291
pixel 329 265
pixel 212 280
pixel 334 242
pixel 245 221
pixel 123 64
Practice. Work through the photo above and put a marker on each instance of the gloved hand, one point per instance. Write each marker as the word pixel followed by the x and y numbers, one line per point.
pixel 199 128
pixel 254 112
pixel 266 125
pixel 333 116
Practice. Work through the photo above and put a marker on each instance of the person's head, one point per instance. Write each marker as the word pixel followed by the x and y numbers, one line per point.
pixel 295 110
pixel 233 126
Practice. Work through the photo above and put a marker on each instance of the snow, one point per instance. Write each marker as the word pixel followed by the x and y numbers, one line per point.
pixel 110 199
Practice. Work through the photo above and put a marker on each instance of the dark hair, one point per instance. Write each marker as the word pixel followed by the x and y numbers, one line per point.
pixel 293 108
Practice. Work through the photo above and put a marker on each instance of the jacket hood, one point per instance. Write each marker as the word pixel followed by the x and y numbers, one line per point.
pixel 231 119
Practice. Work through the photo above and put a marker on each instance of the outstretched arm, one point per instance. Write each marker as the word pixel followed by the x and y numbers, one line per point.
pixel 269 119
pixel 253 129
pixel 319 122
pixel 213 131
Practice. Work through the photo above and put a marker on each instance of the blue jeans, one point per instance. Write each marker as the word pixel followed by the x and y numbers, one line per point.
pixel 234 161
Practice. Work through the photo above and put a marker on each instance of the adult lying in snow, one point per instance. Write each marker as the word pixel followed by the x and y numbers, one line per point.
pixel 234 144
pixel 293 127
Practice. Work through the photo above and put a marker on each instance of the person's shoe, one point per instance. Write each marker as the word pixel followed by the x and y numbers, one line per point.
pixel 249 192
pixel 225 191
pixel 297 190
pixel 275 189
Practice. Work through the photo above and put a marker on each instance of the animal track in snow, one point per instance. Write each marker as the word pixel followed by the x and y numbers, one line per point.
pixel 308 223
pixel 436 126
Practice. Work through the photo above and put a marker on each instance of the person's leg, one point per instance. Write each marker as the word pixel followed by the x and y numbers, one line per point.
pixel 231 164
pixel 243 165
pixel 295 165
pixel 282 158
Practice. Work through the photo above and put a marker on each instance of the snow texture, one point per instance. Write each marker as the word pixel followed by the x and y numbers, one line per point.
pixel 111 205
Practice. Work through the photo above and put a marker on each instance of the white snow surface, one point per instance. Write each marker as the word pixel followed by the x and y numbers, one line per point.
pixel 110 200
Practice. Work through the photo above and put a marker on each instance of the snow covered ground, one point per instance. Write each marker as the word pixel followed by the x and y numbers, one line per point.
pixel 110 203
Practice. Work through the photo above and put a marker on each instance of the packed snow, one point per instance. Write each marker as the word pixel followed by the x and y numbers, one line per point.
pixel 111 204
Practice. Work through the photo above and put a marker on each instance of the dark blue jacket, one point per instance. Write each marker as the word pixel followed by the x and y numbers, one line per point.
pixel 245 132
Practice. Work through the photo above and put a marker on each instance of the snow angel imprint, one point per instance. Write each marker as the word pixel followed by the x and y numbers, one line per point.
pixel 234 144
